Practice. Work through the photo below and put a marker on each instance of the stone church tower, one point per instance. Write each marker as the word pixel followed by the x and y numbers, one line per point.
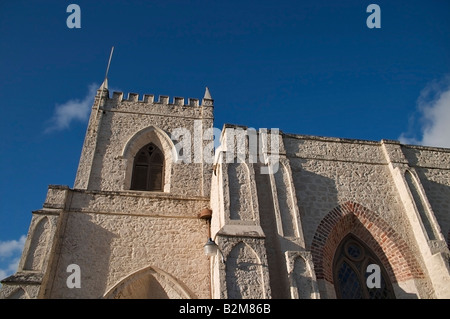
pixel 287 216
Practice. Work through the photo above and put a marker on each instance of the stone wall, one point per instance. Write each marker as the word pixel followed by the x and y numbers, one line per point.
pixel 324 189
pixel 113 236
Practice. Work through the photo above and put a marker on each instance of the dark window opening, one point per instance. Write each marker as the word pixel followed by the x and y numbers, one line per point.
pixel 148 169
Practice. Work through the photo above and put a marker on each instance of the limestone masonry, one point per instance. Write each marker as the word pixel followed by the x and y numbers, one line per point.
pixel 313 217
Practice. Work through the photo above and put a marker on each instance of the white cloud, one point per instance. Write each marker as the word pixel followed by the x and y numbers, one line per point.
pixel 11 268
pixel 72 110
pixel 10 253
pixel 10 247
pixel 433 106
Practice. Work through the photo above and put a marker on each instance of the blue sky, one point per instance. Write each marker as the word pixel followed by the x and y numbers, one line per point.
pixel 306 67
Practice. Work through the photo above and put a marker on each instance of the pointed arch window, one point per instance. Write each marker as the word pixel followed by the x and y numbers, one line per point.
pixel 350 272
pixel 148 169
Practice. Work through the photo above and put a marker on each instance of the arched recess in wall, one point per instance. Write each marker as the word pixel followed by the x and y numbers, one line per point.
pixel 19 293
pixel 370 228
pixel 421 205
pixel 161 140
pixel 38 247
pixel 240 197
pixel 285 202
pixel 244 278
pixel 149 283
pixel 303 282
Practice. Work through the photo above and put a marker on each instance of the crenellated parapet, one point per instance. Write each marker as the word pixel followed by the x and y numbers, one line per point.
pixel 150 103
pixel 118 97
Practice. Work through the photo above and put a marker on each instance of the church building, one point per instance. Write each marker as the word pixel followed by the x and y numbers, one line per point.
pixel 159 210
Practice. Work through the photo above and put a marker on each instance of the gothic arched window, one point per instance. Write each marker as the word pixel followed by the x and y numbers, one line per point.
pixel 350 271
pixel 148 169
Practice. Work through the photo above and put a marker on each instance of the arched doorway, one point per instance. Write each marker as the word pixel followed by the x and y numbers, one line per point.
pixel 149 283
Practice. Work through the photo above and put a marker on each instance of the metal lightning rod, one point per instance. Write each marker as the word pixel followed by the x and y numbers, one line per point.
pixel 105 81
pixel 109 63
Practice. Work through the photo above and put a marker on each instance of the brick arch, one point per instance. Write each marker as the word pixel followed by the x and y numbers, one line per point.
pixel 350 217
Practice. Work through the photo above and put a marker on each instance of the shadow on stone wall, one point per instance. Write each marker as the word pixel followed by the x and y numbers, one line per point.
pixel 316 196
pixel 314 193
pixel 103 142
pixel 278 277
pixel 89 246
